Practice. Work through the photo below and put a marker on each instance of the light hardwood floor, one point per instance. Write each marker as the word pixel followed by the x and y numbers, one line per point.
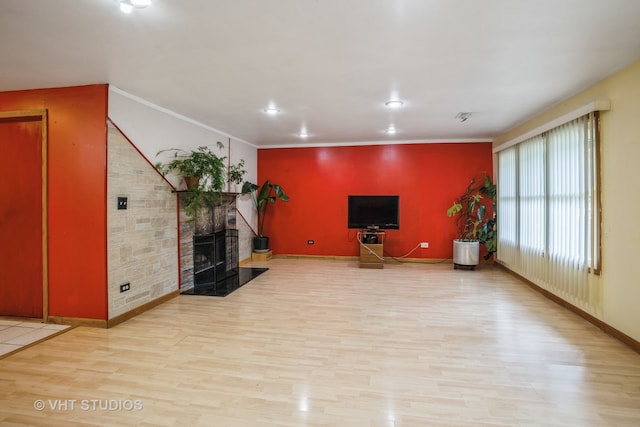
pixel 324 343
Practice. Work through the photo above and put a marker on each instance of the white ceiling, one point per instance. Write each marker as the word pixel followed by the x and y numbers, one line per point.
pixel 328 65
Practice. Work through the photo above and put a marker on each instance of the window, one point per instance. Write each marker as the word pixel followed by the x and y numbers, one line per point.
pixel 548 206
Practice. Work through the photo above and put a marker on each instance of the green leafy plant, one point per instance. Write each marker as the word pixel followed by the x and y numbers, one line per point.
pixel 200 163
pixel 262 197
pixel 236 173
pixel 208 169
pixel 475 213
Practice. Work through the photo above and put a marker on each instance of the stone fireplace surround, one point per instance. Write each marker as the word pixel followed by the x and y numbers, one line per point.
pixel 213 231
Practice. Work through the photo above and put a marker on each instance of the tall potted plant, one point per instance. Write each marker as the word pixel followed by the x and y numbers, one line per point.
pixel 262 197
pixel 474 213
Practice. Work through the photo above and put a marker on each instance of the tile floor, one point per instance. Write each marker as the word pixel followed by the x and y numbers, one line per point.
pixel 15 335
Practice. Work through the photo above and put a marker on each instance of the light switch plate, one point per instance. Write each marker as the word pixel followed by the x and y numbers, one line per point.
pixel 122 203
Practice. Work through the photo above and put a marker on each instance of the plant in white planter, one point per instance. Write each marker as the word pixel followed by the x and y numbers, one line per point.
pixel 474 213
pixel 235 174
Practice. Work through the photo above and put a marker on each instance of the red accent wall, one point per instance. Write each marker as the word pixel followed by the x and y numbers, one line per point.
pixel 77 193
pixel 427 177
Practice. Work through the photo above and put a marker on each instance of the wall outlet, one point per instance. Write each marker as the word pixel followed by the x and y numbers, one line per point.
pixel 125 287
pixel 310 242
pixel 424 245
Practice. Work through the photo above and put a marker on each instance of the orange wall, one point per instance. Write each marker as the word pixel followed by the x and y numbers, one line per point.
pixel 427 177
pixel 77 191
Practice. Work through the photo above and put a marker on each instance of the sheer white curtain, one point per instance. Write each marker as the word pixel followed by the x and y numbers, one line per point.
pixel 532 207
pixel 547 210
pixel 507 208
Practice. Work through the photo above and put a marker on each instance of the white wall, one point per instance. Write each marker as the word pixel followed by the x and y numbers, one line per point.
pixel 152 128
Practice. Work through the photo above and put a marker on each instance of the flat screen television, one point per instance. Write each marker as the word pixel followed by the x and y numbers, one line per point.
pixel 374 212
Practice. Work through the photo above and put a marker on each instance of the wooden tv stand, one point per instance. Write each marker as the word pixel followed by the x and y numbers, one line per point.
pixel 371 248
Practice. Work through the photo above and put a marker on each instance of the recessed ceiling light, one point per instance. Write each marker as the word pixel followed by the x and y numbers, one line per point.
pixel 391 130
pixel 394 103
pixel 127 6
pixel 271 110
pixel 303 134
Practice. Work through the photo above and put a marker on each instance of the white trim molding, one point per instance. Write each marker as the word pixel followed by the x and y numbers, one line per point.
pixel 600 105
pixel 367 143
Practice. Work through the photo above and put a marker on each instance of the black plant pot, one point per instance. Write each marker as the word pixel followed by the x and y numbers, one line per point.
pixel 261 244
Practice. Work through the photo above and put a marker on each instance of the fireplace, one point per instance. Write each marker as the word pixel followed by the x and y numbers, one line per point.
pixel 215 263
pixel 209 254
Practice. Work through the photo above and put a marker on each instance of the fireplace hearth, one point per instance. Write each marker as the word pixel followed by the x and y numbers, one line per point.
pixel 209 252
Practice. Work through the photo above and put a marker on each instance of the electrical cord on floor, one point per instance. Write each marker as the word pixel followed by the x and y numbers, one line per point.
pixel 408 253
pixel 441 261
pixel 399 259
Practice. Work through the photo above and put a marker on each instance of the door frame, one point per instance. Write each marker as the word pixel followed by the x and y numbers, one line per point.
pixel 40 115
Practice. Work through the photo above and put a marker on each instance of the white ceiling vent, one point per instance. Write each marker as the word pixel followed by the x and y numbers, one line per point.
pixel 463 116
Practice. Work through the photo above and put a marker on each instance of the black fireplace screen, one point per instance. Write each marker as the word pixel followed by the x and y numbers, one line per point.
pixel 215 257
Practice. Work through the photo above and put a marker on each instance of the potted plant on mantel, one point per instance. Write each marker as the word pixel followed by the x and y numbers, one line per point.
pixel 262 196
pixel 474 213
pixel 235 174
pixel 203 172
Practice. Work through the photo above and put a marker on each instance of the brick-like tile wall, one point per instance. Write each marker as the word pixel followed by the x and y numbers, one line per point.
pixel 142 241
